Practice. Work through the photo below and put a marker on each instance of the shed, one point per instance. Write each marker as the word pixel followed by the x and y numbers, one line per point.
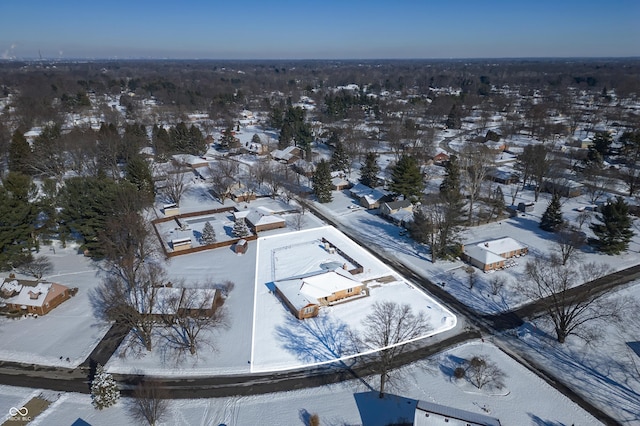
pixel 241 246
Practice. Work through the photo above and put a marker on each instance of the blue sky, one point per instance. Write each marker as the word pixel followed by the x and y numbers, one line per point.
pixel 310 29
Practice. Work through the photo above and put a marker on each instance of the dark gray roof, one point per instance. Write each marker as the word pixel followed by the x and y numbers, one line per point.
pixel 453 413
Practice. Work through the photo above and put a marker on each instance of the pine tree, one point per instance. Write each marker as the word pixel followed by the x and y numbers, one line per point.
pixel 450 186
pixel 614 233
pixel 19 154
pixel 552 217
pixel 407 179
pixel 240 228
pixel 369 171
pixel 322 182
pixel 104 389
pixel 340 159
pixel 17 220
pixel 208 234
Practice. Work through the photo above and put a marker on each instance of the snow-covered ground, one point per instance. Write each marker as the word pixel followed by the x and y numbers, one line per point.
pixel 71 330
pixel 524 400
pixel 66 335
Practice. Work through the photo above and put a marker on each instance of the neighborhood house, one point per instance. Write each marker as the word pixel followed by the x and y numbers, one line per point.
pixel 169 302
pixel 492 255
pixel 33 297
pixel 304 295
pixel 428 413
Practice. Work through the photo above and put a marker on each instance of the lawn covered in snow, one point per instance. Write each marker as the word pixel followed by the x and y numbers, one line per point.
pixel 525 399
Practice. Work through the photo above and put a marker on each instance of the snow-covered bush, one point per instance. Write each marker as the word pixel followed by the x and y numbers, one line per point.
pixel 104 389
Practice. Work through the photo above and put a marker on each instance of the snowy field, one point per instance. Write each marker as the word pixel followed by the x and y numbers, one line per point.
pixel 524 400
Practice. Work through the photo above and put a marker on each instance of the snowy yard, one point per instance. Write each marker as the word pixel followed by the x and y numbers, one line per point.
pixel 524 400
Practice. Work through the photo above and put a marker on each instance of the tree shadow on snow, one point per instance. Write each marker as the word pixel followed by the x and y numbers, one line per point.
pixel 318 339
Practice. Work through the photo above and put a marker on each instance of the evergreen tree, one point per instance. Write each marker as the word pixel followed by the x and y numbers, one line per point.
pixel 87 203
pixel 340 159
pixel 369 171
pixel 19 154
pixel 228 140
pixel 322 182
pixel 138 173
pixel 450 186
pixel 602 142
pixel 161 143
pixel 240 228
pixel 17 220
pixel 104 389
pixel 407 179
pixel 552 217
pixel 614 233
pixel 208 234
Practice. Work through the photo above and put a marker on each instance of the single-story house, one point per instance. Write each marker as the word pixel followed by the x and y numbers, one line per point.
pixel 369 198
pixel 565 187
pixel 491 255
pixel 33 297
pixel 338 182
pixel 289 155
pixel 304 295
pixel 505 177
pixel 169 302
pixel 397 211
pixel 440 159
pixel 264 219
pixel 428 413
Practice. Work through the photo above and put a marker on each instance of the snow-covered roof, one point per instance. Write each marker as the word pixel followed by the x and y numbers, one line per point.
pixel 29 293
pixel 308 289
pixel 491 251
pixel 467 417
pixel 287 153
pixel 372 195
pixel 263 216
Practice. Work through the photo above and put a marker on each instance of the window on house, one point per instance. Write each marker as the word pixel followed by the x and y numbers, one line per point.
pixel 349 290
pixel 309 310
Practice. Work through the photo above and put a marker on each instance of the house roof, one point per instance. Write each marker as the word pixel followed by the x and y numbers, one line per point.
pixel 491 251
pixel 307 289
pixel 476 419
pixel 371 195
pixel 396 205
pixel 287 153
pixel 263 216
pixel 23 290
pixel 166 300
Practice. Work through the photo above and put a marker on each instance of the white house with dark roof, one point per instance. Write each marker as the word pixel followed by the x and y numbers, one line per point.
pixel 492 255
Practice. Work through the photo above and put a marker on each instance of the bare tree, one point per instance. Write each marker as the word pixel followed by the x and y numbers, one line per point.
pixel 474 164
pixel 569 240
pixel 223 174
pixel 150 403
pixel 481 372
pixel 37 267
pixel 188 314
pixel 571 312
pixel 388 329
pixel 132 304
pixel 175 185
pixel 497 283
